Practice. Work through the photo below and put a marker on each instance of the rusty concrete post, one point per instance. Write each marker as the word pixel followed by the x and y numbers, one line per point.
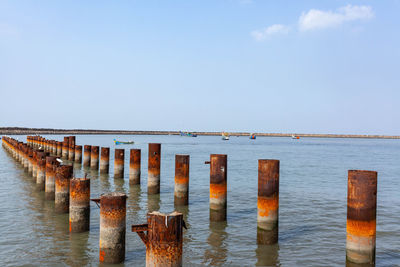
pixel 361 216
pixel 134 166
pixel 71 151
pixel 112 227
pixel 54 143
pixel 34 164
pixel 105 160
pixel 63 176
pixel 94 158
pixel 153 179
pixel 119 160
pixel 181 191
pixel 79 205
pixel 65 148
pixel 268 201
pixel 86 155
pixel 51 164
pixel 163 240
pixel 41 171
pixel 30 163
pixel 59 149
pixel 218 187
pixel 78 154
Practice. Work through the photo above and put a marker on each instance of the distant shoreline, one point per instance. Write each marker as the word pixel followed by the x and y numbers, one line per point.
pixel 34 131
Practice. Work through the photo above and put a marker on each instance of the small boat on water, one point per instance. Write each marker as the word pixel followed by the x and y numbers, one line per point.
pixel 295 136
pixel 123 142
pixel 252 136
pixel 225 136
pixel 188 134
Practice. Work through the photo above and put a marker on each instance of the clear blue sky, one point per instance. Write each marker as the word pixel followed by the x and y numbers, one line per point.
pixel 234 65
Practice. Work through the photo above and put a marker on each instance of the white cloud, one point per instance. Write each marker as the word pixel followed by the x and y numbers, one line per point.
pixel 319 19
pixel 263 34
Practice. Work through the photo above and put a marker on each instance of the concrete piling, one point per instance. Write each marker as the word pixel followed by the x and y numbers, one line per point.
pixel 94 158
pixel 86 155
pixel 41 171
pixel 163 240
pixel 63 176
pixel 30 161
pixel 79 205
pixel 59 149
pixel 181 191
pixel 134 166
pixel 218 187
pixel 51 165
pixel 105 160
pixel 119 160
pixel 268 201
pixel 65 149
pixel 78 155
pixel 153 180
pixel 112 227
pixel 361 216
pixel 71 151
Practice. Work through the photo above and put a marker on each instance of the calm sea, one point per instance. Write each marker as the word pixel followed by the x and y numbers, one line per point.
pixel 312 212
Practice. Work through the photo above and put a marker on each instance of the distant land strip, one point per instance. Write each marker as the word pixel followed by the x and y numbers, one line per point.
pixel 35 131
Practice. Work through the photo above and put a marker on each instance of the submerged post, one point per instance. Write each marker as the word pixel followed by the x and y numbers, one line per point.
pixel 181 192
pixel 79 205
pixel 112 227
pixel 134 166
pixel 153 180
pixel 268 201
pixel 63 176
pixel 361 216
pixel 86 155
pixel 94 158
pixel 163 239
pixel 105 160
pixel 218 187
pixel 119 163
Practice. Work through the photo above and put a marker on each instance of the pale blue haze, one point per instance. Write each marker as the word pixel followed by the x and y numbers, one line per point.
pixel 195 65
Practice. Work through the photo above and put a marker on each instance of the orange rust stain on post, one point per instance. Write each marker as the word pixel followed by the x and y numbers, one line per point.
pixel 94 158
pixel 86 155
pixel 361 216
pixel 105 160
pixel 266 205
pixel 79 209
pixel 62 182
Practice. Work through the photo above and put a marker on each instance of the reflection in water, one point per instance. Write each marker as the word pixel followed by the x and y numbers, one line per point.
pixel 267 255
pixel 119 185
pixel 153 202
pixel 134 198
pixel 352 264
pixel 216 253
pixel 78 254
pixel 104 183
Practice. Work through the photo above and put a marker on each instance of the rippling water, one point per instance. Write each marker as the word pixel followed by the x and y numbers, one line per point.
pixel 312 213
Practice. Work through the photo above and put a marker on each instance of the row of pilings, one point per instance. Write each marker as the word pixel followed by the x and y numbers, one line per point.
pixel 41 158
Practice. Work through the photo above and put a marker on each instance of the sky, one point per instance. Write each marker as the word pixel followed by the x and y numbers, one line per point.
pixel 233 65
